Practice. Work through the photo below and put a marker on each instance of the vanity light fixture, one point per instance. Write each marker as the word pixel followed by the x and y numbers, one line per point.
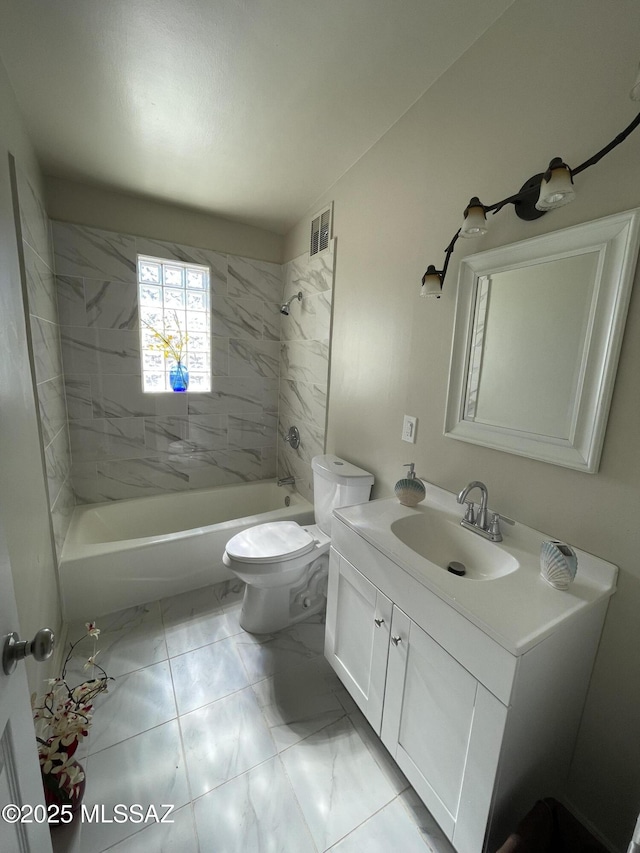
pixel 475 219
pixel 543 192
pixel 556 186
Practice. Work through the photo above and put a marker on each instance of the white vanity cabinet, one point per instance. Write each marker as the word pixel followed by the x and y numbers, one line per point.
pixel 357 637
pixel 442 726
pixel 480 733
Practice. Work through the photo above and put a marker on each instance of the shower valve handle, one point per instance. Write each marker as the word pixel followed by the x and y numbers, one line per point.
pixel 293 437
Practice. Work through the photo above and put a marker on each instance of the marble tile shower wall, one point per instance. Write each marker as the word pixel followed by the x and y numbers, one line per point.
pixel 304 364
pixel 37 252
pixel 127 444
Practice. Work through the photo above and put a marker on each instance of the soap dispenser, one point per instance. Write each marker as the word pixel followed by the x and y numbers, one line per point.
pixel 410 490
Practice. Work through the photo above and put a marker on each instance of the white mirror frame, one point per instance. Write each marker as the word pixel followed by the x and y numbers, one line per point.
pixel 616 240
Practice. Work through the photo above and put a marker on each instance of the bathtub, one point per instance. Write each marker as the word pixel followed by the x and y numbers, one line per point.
pixel 130 552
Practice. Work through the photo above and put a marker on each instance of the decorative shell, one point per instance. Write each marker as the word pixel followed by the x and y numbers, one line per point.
pixel 556 567
pixel 410 491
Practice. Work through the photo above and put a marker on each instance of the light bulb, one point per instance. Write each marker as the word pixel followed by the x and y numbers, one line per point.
pixel 475 221
pixel 431 283
pixel 556 187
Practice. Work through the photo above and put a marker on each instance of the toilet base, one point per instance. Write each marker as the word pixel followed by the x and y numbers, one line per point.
pixel 268 609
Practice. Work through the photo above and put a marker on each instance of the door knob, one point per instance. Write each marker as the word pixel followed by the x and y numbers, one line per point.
pixel 396 640
pixel 15 649
pixel 379 622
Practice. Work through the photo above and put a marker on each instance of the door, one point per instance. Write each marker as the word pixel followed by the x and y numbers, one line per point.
pixel 444 729
pixel 20 781
pixel 357 635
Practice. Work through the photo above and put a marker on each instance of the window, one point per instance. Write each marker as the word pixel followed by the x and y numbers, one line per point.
pixel 174 306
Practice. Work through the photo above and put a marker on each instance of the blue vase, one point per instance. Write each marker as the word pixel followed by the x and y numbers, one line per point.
pixel 179 377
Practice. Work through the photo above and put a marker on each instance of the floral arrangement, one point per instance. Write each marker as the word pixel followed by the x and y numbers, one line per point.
pixel 62 721
pixel 172 345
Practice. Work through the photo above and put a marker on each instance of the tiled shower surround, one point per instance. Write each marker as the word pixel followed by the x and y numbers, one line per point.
pixel 36 251
pixel 304 364
pixel 128 444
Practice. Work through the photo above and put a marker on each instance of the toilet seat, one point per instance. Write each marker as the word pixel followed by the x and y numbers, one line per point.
pixel 270 543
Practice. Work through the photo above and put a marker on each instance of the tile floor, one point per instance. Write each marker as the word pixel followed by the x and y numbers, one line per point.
pixel 253 739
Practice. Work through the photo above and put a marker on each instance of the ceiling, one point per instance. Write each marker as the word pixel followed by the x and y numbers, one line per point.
pixel 247 109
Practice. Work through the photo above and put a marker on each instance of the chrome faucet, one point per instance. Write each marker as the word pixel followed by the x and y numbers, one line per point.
pixel 286 481
pixel 478 521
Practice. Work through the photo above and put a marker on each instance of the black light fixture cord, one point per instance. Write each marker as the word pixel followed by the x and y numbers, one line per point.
pixel 523 193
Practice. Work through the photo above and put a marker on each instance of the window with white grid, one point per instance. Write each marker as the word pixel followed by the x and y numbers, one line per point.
pixel 175 323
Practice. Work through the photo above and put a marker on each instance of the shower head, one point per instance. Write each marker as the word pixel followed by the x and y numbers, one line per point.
pixel 284 308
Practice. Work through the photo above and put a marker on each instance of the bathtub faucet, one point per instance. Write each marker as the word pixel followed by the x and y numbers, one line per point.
pixel 286 481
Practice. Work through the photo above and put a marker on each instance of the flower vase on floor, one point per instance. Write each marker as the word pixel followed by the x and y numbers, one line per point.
pixel 179 377
pixel 64 792
pixel 62 718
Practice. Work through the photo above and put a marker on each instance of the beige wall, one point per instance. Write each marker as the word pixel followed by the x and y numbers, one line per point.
pixel 547 79
pixel 24 508
pixel 82 204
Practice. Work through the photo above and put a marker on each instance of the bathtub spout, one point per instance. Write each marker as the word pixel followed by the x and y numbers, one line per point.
pixel 286 481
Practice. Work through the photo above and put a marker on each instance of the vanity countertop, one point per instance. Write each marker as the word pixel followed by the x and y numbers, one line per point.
pixel 518 609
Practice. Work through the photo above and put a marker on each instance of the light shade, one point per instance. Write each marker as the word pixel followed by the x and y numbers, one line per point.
pixel 475 220
pixel 556 188
pixel 431 283
pixel 634 94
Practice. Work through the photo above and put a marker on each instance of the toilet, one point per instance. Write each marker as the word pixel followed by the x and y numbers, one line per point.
pixel 285 565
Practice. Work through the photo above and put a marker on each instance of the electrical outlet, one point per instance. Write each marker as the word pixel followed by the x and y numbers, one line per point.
pixel 409 429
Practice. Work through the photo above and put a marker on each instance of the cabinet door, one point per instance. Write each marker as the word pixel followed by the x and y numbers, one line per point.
pixel 357 635
pixel 444 730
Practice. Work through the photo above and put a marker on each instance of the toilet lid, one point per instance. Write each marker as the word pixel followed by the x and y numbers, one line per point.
pixel 267 543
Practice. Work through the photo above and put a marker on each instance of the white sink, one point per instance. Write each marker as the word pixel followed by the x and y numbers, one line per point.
pixel 434 536
pixel 515 605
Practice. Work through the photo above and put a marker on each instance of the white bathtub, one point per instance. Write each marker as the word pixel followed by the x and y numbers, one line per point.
pixel 130 552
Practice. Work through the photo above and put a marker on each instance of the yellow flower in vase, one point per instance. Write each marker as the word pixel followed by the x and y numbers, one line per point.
pixel 172 342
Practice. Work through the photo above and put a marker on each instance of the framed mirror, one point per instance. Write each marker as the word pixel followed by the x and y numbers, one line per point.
pixel 537 336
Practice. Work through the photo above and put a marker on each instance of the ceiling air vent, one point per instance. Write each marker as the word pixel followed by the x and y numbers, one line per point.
pixel 320 231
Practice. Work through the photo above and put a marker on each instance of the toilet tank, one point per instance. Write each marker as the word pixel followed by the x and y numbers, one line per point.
pixel 337 483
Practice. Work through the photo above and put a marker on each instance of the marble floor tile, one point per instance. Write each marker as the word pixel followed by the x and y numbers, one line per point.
pixel 223 740
pixel 206 674
pixel 176 837
pixel 389 829
pixel 253 813
pixel 148 770
pixel 129 639
pixel 379 752
pixel 66 839
pixel 135 702
pixel 268 745
pixel 232 615
pixel 337 782
pixel 298 702
pixel 265 654
pixel 426 823
pixel 195 619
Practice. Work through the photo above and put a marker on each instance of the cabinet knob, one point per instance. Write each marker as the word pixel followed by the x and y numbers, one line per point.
pixel 396 640
pixel 379 622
